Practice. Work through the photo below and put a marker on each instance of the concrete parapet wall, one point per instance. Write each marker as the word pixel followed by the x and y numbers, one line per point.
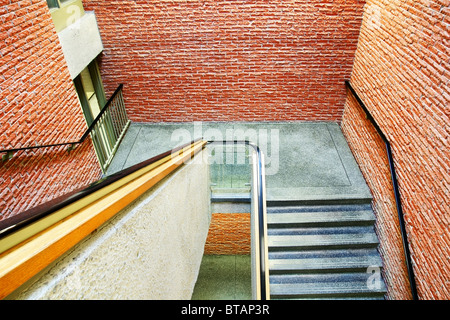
pixel 151 250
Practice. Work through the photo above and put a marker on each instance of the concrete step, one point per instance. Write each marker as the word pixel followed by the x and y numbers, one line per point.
pixel 331 241
pixel 317 216
pixel 230 197
pixel 323 261
pixel 326 286
pixel 324 250
pixel 321 200
pixel 284 239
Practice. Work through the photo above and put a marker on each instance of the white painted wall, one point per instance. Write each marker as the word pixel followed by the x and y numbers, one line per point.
pixel 151 250
pixel 81 43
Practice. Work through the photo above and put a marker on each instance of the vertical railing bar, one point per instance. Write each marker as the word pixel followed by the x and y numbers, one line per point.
pixel 123 109
pixel 120 117
pixel 104 133
pixel 108 126
pixel 113 110
pixel 110 130
pixel 98 146
pixel 103 149
pixel 115 119
pixel 102 139
pixel 117 111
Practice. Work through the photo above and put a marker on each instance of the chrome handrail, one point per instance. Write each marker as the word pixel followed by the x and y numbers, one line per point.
pixel 258 178
pixel 398 203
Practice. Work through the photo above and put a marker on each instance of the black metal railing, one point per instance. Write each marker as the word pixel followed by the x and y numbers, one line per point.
pixel 258 178
pixel 106 131
pixel 109 127
pixel 369 116
pixel 25 218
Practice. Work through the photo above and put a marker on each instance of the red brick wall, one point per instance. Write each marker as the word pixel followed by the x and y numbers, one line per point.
pixel 229 60
pixel 402 73
pixel 229 234
pixel 38 105
pixel 370 153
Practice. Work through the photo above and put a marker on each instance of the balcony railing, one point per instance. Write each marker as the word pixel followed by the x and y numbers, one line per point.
pixel 107 130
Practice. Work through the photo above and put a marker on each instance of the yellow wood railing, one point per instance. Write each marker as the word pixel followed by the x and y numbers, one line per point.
pixel 28 250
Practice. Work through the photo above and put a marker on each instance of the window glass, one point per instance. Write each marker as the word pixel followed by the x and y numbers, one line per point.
pixel 53 3
pixel 89 90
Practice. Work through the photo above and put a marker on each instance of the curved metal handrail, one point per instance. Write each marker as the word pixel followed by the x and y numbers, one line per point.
pixel 261 198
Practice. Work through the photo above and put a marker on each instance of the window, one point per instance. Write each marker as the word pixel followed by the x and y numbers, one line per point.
pixel 53 4
pixel 90 91
pixel 56 3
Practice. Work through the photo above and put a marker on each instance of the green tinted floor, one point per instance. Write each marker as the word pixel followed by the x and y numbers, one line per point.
pixel 224 278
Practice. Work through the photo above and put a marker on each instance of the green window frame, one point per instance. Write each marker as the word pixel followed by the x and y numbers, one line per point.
pixel 53 4
pixel 98 89
pixel 56 3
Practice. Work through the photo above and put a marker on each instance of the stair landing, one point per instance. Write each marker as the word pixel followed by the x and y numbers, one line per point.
pixel 315 164
pixel 304 160
pixel 322 243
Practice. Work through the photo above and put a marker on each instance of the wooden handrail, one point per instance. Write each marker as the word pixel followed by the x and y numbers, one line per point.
pixel 27 251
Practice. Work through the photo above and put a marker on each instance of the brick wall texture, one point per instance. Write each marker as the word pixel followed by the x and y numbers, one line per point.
pixel 229 234
pixel 38 105
pixel 370 153
pixel 252 61
pixel 229 60
pixel 402 73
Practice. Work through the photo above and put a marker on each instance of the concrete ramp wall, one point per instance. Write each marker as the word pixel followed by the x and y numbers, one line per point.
pixel 151 250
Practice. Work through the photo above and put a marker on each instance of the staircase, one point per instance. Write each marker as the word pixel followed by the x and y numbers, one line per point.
pixel 325 251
